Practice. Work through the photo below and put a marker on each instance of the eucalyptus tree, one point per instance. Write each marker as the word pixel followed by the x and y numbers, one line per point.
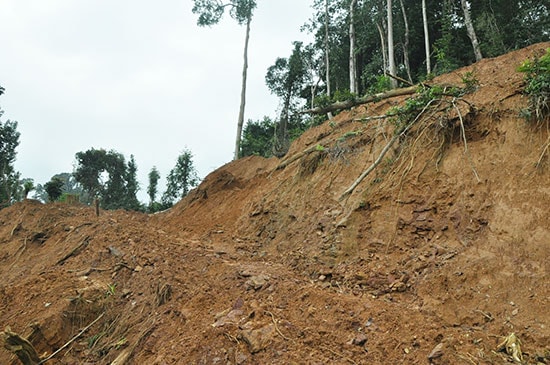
pixel 426 37
pixel 353 84
pixel 210 13
pixel 470 29
pixel 286 79
pixel 181 179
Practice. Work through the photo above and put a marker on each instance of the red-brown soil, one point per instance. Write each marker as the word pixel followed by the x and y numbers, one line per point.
pixel 445 244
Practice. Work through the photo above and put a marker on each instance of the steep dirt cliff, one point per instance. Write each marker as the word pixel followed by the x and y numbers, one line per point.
pixel 436 256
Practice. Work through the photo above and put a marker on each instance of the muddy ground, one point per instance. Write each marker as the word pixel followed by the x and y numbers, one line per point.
pixel 437 255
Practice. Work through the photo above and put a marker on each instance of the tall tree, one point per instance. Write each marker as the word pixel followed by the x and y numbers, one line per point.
pixel 132 185
pixel 210 12
pixel 327 52
pixel 470 29
pixel 105 175
pixel 54 189
pixel 286 79
pixel 181 179
pixel 391 51
pixel 9 178
pixel 406 42
pixel 426 38
pixel 353 85
pixel 152 189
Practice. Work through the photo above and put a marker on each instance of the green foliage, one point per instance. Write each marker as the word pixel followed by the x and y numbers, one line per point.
pixel 211 11
pixel 258 138
pixel 537 79
pixel 405 114
pixel 9 178
pixel 54 189
pixel 28 185
pixel 152 189
pixel 106 175
pixel 471 83
pixel 381 84
pixel 181 179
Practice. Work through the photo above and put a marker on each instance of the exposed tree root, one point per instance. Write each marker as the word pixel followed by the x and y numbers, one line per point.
pixel 385 150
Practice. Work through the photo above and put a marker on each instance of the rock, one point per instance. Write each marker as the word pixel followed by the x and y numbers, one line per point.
pixel 360 339
pixel 228 317
pixel 257 282
pixel 258 339
pixel 436 352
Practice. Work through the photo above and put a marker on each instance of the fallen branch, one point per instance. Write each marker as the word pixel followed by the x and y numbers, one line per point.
pixel 297 156
pixel 346 104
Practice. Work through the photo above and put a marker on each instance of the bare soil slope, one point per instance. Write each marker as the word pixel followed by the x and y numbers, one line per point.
pixel 437 255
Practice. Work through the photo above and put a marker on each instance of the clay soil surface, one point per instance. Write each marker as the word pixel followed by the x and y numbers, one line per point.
pixel 440 253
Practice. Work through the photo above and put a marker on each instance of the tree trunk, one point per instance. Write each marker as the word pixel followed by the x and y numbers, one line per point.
pixel 471 30
pixel 383 45
pixel 353 86
pixel 240 122
pixel 346 104
pixel 327 58
pixel 391 56
pixel 406 43
pixel 426 38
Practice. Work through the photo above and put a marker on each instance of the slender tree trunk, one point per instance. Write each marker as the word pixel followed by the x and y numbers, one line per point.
pixel 471 30
pixel 383 45
pixel 327 58
pixel 426 38
pixel 391 55
pixel 353 85
pixel 240 122
pixel 406 43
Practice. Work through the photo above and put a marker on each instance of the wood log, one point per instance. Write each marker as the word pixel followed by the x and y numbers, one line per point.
pixel 346 104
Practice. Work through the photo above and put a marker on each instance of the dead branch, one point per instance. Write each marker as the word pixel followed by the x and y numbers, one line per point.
pixel 21 347
pixel 346 104
pixel 74 251
pixel 375 117
pixel 400 79
pixel 297 156
pixel 383 153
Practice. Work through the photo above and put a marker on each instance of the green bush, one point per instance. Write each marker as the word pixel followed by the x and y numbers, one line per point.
pixel 537 79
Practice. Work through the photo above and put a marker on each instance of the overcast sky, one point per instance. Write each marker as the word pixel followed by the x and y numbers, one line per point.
pixel 136 76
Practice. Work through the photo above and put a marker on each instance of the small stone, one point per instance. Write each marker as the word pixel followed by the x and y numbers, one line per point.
pixel 257 282
pixel 436 352
pixel 360 339
pixel 258 339
pixel 515 312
